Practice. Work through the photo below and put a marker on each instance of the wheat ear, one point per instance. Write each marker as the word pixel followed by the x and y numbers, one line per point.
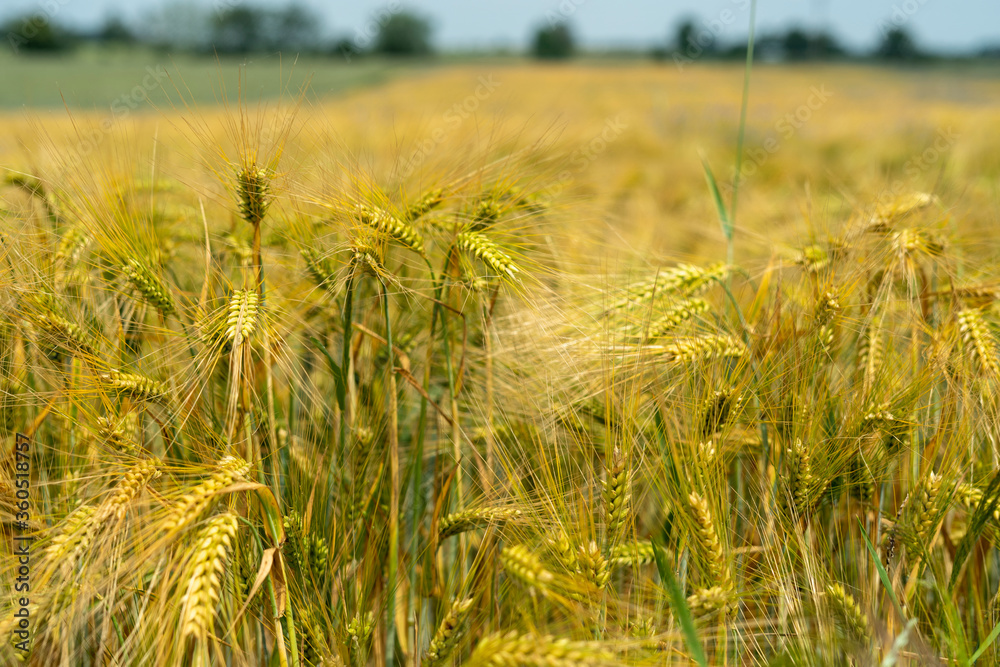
pixel 512 649
pixel 448 634
pixel 847 611
pixel 204 581
pixel 461 522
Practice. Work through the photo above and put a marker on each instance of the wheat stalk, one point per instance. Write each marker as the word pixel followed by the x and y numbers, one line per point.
pixel 590 562
pixel 427 202
pixel 318 267
pixel 307 551
pixel 74 538
pixel 683 279
pixel 801 483
pixel 676 315
pixel 120 433
pixel 131 484
pixel 68 333
pixel 709 601
pixel 632 554
pixel 563 550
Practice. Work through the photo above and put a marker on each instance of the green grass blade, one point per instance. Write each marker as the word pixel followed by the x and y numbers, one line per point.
pixel 883 575
pixel 985 645
pixel 713 187
pixel 679 605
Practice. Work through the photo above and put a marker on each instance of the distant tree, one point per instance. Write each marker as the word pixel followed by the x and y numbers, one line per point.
pixel 553 42
pixel 179 25
pixel 35 33
pixel 897 45
pixel 738 51
pixel 404 34
pixel 684 38
pixel 691 43
pixel 796 44
pixel 659 52
pixel 239 30
pixel 247 29
pixel 346 47
pixel 825 45
pixel 295 29
pixel 114 31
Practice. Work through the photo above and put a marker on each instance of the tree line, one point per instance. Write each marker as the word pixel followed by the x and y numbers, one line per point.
pixel 394 31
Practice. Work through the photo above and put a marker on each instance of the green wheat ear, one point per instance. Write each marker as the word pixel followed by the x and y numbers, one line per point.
pixel 425 204
pixel 150 286
pixel 481 247
pixel 398 230
pixel 847 611
pixel 253 192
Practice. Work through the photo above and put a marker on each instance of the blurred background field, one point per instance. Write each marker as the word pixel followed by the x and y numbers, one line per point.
pixel 622 140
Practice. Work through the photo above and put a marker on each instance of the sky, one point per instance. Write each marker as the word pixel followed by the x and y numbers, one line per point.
pixel 944 25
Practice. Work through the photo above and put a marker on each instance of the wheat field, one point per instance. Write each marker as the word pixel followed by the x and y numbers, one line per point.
pixel 492 365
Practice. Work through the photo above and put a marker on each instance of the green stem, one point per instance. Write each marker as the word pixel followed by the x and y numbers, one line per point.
pixel 390 637
pixel 268 374
pixel 456 431
pixel 343 394
pixel 417 508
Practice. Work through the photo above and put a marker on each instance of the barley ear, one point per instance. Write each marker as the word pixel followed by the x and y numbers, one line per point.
pixel 253 192
pixel 847 611
pixel 448 634
pixel 209 554
pixel 512 648
pixel 152 288
pixel 707 538
pixel 525 567
pixel 472 519
pixel 480 246
pixel 617 497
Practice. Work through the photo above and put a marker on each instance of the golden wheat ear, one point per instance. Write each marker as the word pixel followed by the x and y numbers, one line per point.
pixel 513 648
pixel 209 554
